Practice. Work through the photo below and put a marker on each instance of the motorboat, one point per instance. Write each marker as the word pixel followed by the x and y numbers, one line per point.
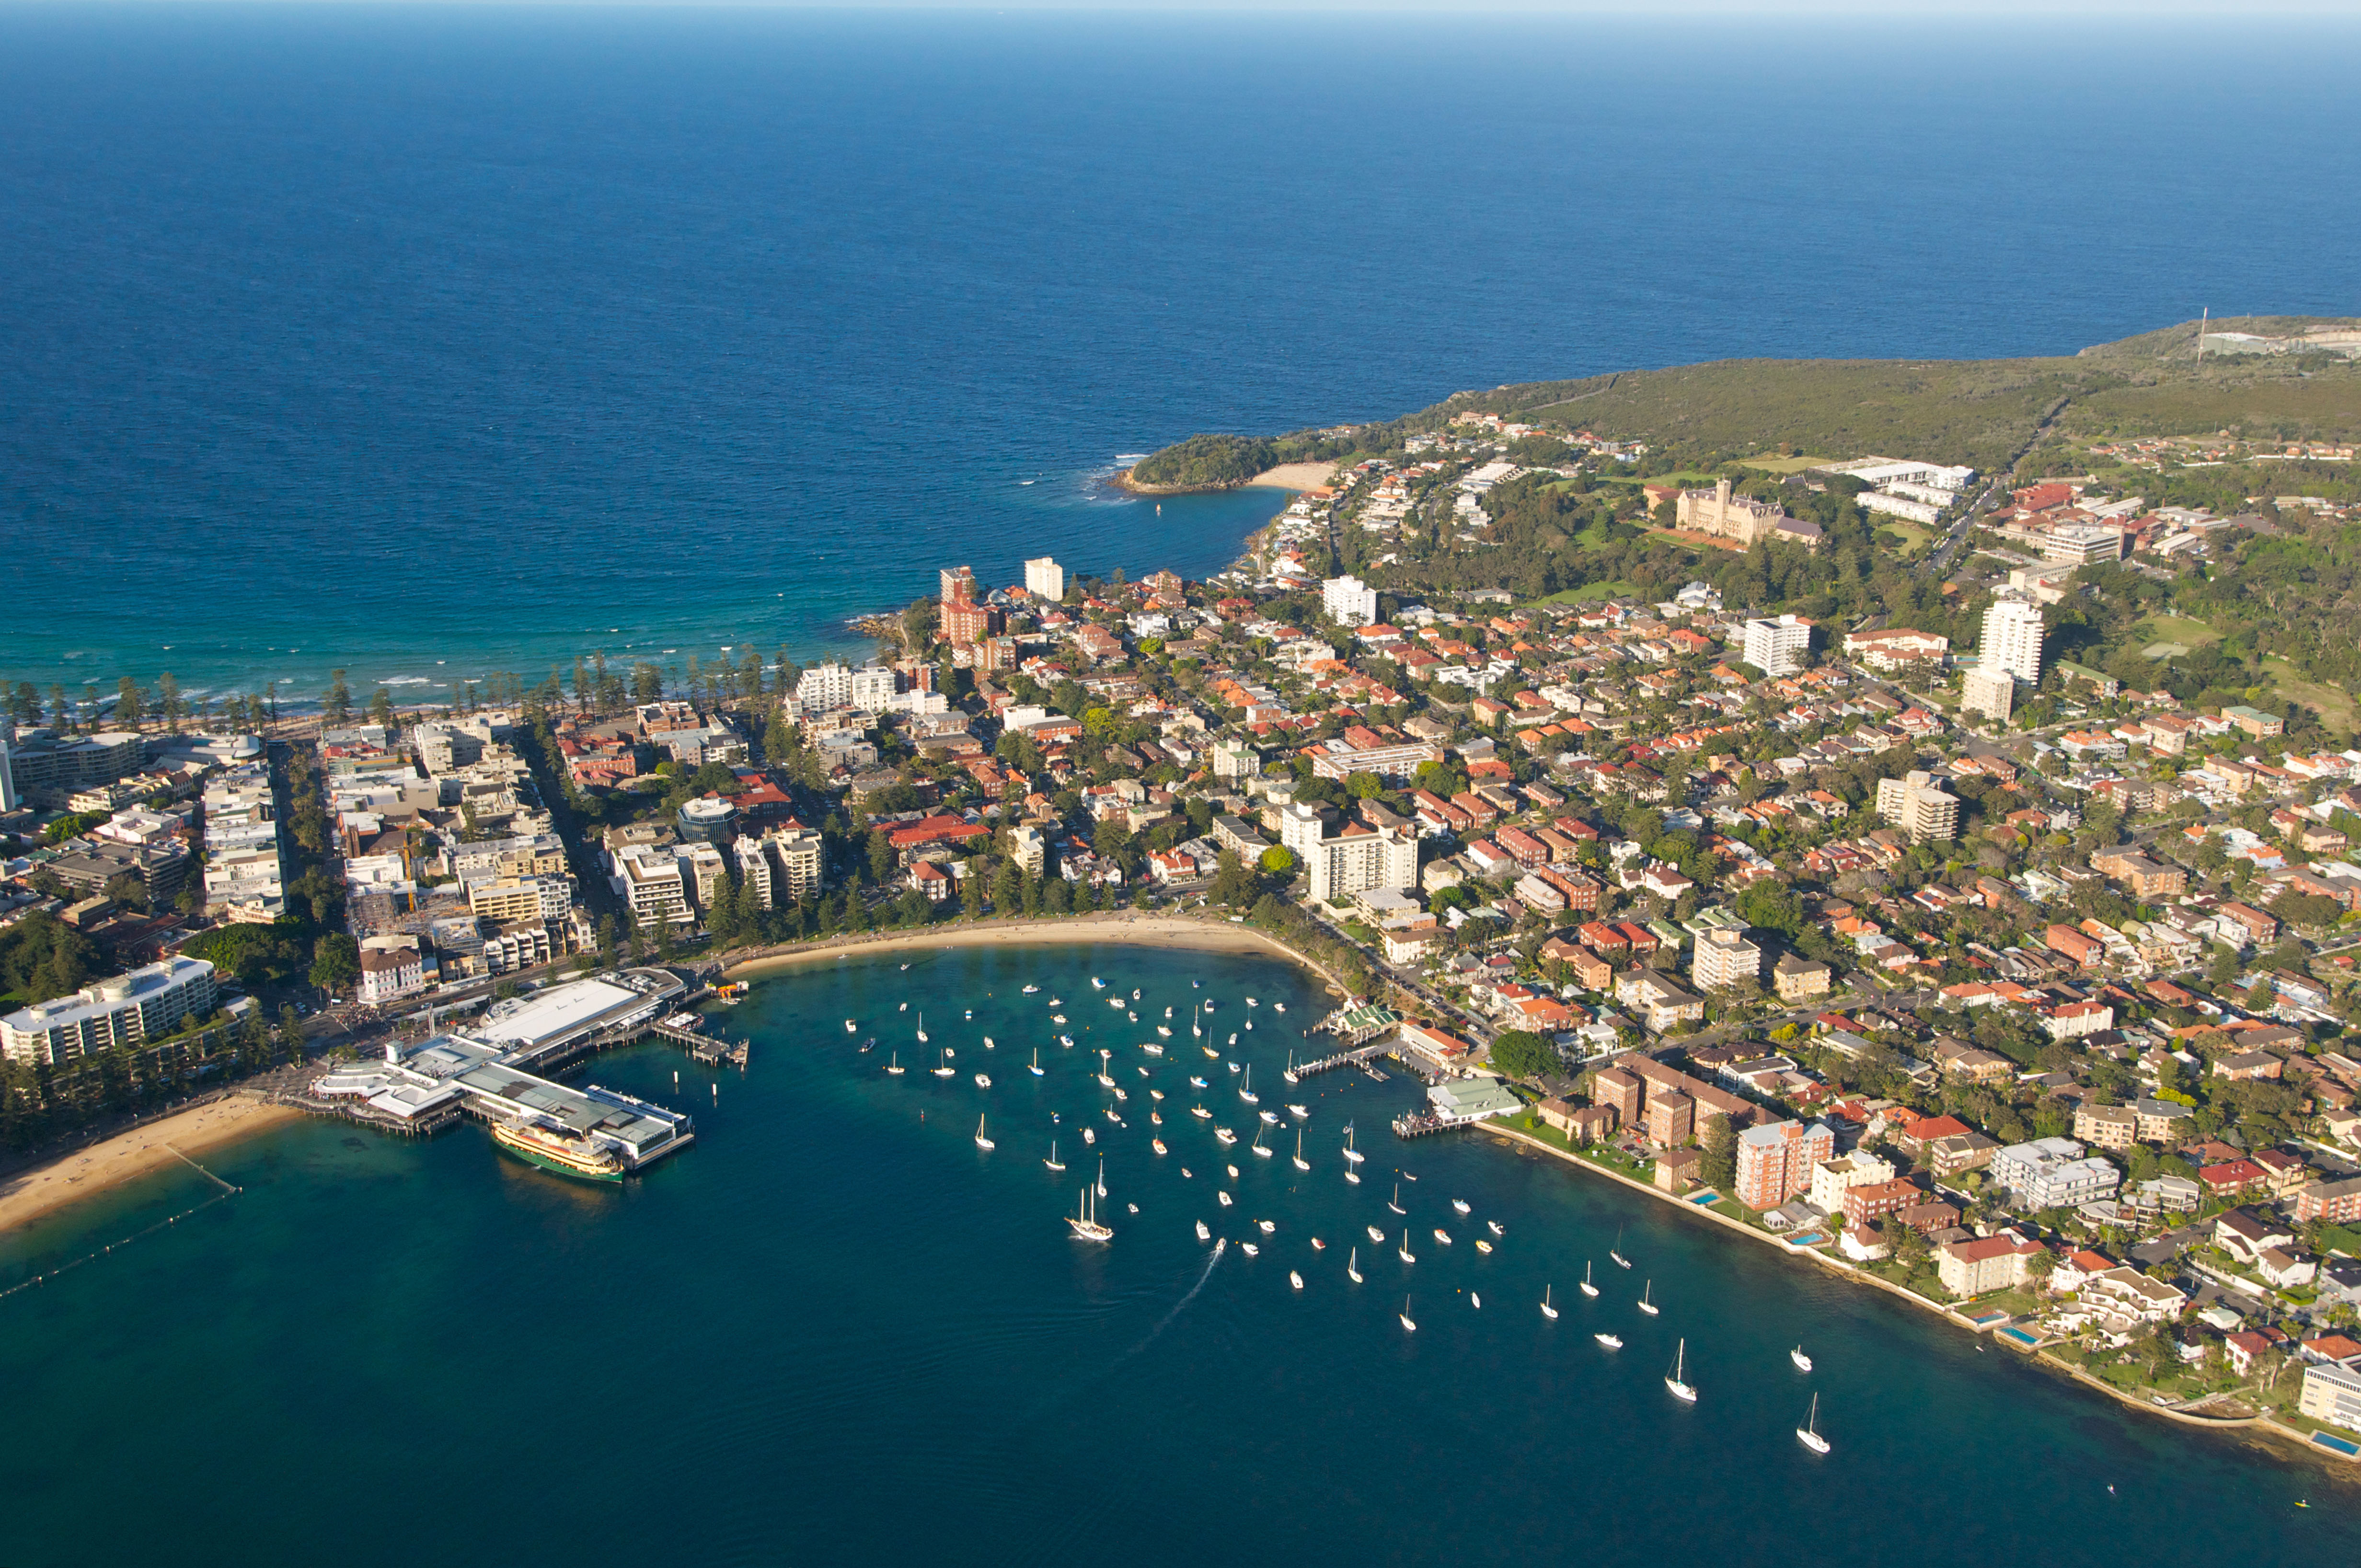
pixel 1204 1233
pixel 1269 1118
pixel 1200 1113
pixel 1196 1082
pixel 1295 1279
pixel 1226 1136
pixel 1803 1362
pixel 1319 1246
pixel 1495 1227
pixel 1266 1226
pixel 849 1028
pixel 1376 1234
pixel 1483 1246
pixel 1609 1341
pixel 1250 1249
pixel 1459 1205
pixel 1088 1136
pixel 1030 989
pixel 1442 1235
pixel 1224 1199
pixel 1300 1113
pixel 1157 1145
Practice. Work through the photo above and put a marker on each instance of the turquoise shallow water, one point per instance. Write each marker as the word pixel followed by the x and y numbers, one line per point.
pixel 835 1330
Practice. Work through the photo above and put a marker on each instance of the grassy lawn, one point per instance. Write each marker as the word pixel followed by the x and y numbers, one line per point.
pixel 2329 701
pixel 2177 629
pixel 1914 537
pixel 1590 592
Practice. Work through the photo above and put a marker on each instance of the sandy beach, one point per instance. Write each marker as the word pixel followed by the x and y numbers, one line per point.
pixel 1293 477
pixel 1145 931
pixel 29 1194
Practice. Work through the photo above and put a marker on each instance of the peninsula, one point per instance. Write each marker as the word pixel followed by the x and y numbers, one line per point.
pixel 1905 809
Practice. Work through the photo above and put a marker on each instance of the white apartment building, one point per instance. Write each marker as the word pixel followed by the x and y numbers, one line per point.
pixel 648 879
pixel 2011 640
pixel 1777 647
pixel 1358 858
pixel 1724 958
pixel 122 1010
pixel 2052 1173
pixel 794 855
pixel 1882 473
pixel 1348 601
pixel 1045 579
pixel 1907 508
pixel 703 870
pixel 1028 848
pixel 1832 1178
pixel 824 688
pixel 874 688
pixel 753 870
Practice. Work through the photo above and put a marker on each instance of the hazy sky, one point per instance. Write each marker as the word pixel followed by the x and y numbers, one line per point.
pixel 1765 10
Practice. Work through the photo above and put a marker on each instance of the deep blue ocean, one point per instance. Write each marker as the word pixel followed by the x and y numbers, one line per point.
pixel 431 341
pixel 834 1331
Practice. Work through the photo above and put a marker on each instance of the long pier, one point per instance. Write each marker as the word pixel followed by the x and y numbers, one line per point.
pixel 1363 1058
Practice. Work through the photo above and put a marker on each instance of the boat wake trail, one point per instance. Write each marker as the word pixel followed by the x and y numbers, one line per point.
pixel 1220 1247
pixel 1059 1396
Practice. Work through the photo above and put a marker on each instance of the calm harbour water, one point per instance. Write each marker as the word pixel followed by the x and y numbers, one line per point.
pixel 427 341
pixel 835 1330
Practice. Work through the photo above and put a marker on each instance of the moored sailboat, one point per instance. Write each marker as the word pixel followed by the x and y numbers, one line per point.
pixel 1676 1382
pixel 1808 1434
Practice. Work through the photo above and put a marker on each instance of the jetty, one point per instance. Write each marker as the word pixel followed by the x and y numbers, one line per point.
pixel 1364 1058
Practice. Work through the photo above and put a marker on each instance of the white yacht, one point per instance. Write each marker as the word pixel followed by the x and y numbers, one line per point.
pixel 1352 1266
pixel 1203 1234
pixel 1547 1310
pixel 1803 1362
pixel 1646 1305
pixel 980 1141
pixel 1053 1162
pixel 1588 1287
